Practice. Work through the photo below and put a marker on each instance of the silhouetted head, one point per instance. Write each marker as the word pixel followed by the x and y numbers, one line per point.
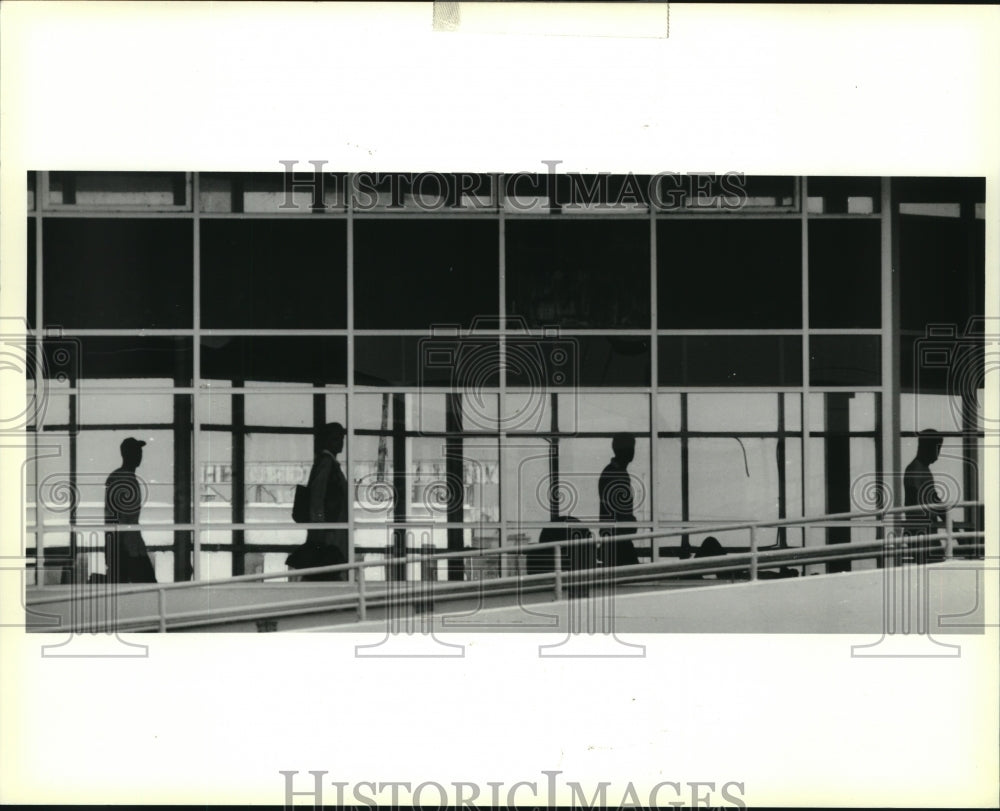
pixel 929 444
pixel 710 547
pixel 331 437
pixel 131 449
pixel 623 446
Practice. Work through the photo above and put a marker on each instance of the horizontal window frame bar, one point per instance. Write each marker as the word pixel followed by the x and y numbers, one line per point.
pixel 344 390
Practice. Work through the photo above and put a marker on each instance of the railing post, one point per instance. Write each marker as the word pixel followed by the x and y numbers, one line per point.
pixel 362 608
pixel 557 550
pixel 949 538
pixel 161 606
pixel 753 553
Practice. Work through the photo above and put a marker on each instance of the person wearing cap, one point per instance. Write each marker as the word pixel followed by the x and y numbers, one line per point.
pixel 124 550
pixel 327 505
pixel 919 490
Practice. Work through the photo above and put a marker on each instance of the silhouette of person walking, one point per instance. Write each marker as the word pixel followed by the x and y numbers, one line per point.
pixel 616 497
pixel 125 551
pixel 327 504
pixel 919 490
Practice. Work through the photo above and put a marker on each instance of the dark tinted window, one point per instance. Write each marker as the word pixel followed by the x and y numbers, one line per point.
pixel 270 274
pixel 413 361
pixel 845 273
pixel 586 360
pixel 942 275
pixel 730 360
pixel 97 357
pixel 118 273
pixel 578 274
pixel 729 274
pixel 304 359
pixel 422 273
pixel 844 360
pixel 31 275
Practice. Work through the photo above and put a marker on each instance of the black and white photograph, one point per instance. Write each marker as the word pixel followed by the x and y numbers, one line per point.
pixel 645 436
pixel 511 402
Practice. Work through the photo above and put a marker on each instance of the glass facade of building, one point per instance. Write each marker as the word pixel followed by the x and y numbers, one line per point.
pixel 483 338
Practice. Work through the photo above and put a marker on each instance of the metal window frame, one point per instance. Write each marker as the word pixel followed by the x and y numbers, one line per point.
pixel 652 214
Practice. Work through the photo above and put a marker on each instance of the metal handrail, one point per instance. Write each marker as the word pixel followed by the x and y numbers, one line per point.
pixel 408 590
pixel 732 561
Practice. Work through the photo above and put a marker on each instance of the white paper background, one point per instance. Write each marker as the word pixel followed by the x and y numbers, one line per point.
pixel 784 90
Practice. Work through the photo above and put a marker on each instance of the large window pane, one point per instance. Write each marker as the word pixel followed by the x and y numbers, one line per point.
pixel 845 273
pixel 580 464
pixel 123 408
pixel 215 478
pixel 593 360
pixel 299 359
pixel 111 361
pixel 942 280
pixel 412 361
pixel 733 479
pixel 729 274
pixel 118 273
pixel 618 412
pixel 942 412
pixel 98 453
pixel 579 274
pixel 372 461
pixel 733 412
pixel 730 360
pixel 845 360
pixel 526 471
pixel 669 504
pixel 423 273
pixel 269 274
pixel 275 463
